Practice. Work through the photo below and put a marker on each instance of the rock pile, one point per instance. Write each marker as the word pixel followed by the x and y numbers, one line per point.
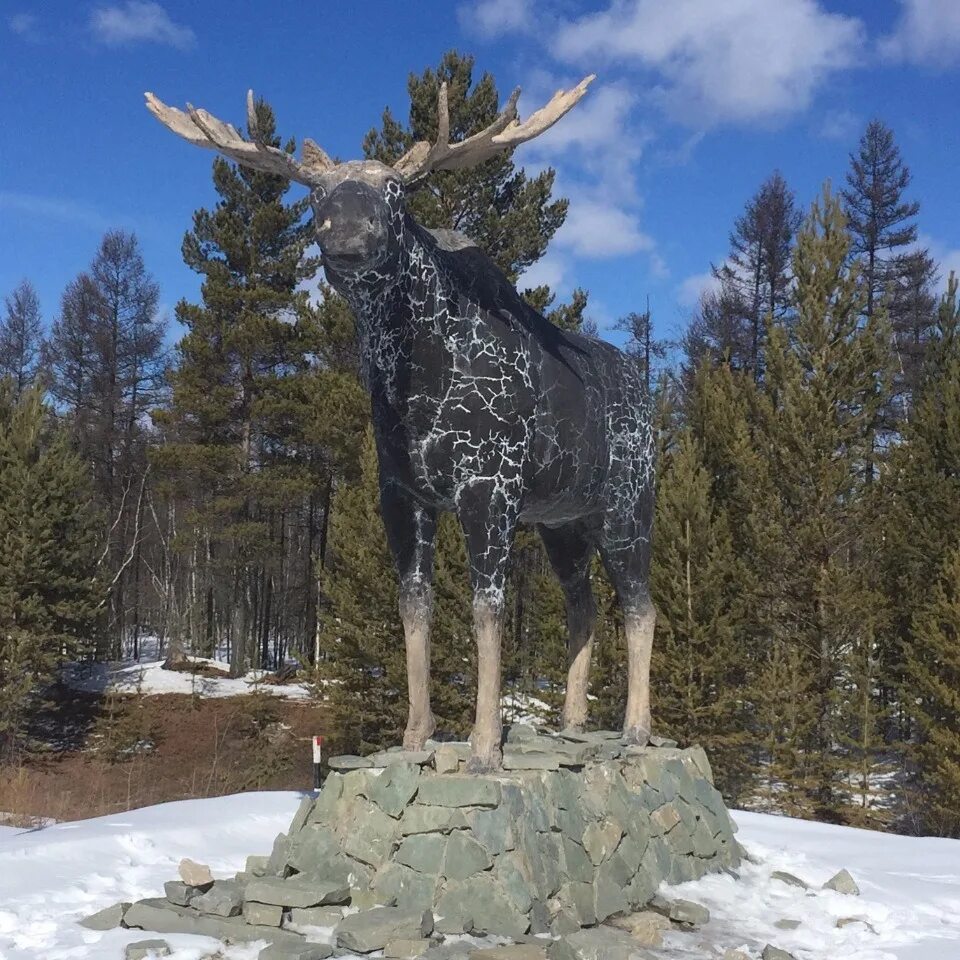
pixel 577 828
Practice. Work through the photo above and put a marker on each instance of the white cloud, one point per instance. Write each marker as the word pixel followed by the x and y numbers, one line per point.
pixel 598 229
pixel 739 60
pixel 139 21
pixel 926 33
pixel 694 287
pixel 550 269
pixel 495 18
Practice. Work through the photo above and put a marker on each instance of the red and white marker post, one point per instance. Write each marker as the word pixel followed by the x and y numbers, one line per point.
pixel 317 757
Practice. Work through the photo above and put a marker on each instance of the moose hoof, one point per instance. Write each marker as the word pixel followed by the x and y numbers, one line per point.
pixel 485 763
pixel 415 738
pixel 636 736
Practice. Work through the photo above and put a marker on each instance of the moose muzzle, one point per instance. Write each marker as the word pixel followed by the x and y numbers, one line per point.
pixel 352 226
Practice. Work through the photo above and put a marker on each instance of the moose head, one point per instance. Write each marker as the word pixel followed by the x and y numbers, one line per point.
pixel 357 204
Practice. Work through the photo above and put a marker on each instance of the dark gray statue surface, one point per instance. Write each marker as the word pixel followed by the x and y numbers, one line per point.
pixel 481 407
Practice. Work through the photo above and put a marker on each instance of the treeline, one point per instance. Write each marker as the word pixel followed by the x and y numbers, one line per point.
pixel 807 554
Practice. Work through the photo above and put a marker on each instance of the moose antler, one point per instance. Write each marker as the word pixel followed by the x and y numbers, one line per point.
pixel 205 130
pixel 505 133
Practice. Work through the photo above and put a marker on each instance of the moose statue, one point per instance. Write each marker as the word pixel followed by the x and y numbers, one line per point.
pixel 480 406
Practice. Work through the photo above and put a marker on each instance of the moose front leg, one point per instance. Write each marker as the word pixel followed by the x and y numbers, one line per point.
pixel 489 519
pixel 411 531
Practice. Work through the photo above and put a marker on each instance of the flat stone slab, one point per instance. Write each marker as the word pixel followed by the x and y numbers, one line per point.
pixel 372 929
pixel 453 790
pixel 161 916
pixel 349 762
pixel 296 892
pixel 107 919
pixel 405 949
pixel 143 949
pixel 295 951
pixel 603 943
pixel 512 951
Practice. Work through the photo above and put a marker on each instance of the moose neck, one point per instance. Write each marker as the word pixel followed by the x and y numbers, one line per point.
pixel 394 307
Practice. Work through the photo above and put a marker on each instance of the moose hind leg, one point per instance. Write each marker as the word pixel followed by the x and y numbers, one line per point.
pixel 489 520
pixel 411 530
pixel 570 550
pixel 627 561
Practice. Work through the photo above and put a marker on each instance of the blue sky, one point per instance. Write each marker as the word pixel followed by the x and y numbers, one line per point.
pixel 696 103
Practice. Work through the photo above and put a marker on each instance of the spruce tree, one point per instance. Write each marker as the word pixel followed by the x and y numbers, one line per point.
pixel 509 215
pixel 933 678
pixel 223 460
pixel 825 382
pixel 879 218
pixel 920 496
pixel 50 596
pixel 756 274
pixel 698 675
pixel 21 337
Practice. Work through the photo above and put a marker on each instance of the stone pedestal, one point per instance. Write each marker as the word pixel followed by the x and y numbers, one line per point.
pixel 576 829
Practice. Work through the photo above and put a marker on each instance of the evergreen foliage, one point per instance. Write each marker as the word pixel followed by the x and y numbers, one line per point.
pixel 238 403
pixel 50 597
pixel 825 381
pixel 21 337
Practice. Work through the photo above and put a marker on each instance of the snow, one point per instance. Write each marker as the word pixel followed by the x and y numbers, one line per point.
pixel 146 675
pixel 53 876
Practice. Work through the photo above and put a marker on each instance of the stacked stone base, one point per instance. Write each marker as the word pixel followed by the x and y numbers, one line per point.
pixel 577 829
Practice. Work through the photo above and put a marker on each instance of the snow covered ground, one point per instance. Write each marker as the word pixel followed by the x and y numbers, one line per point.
pixel 147 676
pixel 51 877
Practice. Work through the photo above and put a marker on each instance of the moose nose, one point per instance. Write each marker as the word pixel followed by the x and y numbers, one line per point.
pixel 350 227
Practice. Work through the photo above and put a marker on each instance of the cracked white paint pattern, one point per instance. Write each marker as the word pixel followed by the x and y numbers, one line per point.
pixel 482 407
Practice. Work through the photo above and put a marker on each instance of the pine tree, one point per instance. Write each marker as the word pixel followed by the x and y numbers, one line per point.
pixel 878 217
pixel 757 271
pixel 697 578
pixel 226 462
pixel 649 351
pixel 933 672
pixel 510 216
pixel 50 597
pixel 825 382
pixel 21 337
pixel 920 496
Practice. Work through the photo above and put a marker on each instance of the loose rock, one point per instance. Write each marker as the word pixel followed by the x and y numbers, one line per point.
pixel 775 953
pixel 223 899
pixel 181 893
pixel 646 927
pixel 843 883
pixel 263 914
pixel 143 949
pixel 789 879
pixel 315 916
pixel 787 924
pixel 195 874
pixel 688 913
